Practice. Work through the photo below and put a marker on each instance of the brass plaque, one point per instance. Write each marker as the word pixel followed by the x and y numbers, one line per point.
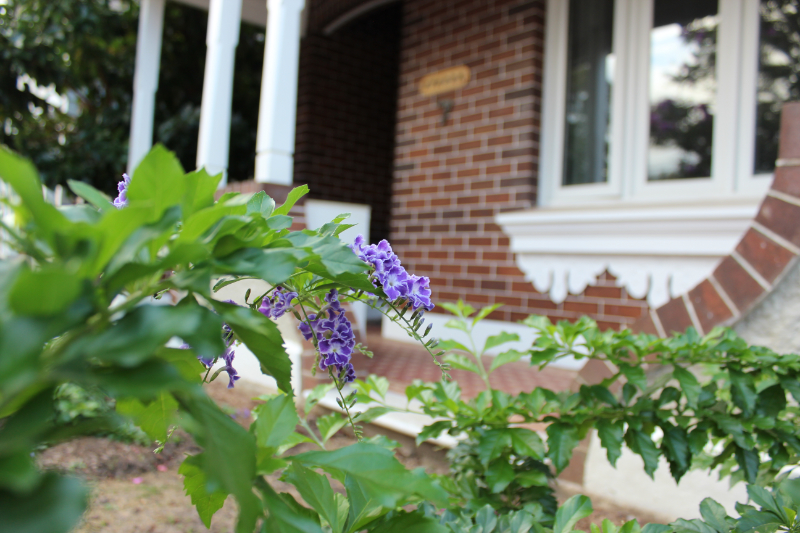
pixel 445 80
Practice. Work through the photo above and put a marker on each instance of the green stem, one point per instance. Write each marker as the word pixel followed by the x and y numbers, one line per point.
pixel 317 441
pixel 339 387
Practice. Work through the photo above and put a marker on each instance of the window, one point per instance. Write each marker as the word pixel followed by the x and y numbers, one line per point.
pixel 664 100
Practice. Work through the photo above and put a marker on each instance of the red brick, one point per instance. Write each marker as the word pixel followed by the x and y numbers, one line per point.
pixel 708 304
pixel 674 317
pixel 781 217
pixel 766 256
pixel 737 283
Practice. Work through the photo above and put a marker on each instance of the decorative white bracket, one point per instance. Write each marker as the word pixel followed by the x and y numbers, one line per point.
pixel 658 252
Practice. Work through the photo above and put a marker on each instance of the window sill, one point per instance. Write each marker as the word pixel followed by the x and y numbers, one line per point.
pixel 654 251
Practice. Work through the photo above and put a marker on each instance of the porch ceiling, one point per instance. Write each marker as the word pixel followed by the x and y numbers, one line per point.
pixel 253 11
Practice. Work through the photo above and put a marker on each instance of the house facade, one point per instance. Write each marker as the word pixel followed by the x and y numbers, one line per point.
pixel 609 158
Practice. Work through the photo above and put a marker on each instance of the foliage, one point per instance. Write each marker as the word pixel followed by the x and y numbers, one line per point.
pixel 742 418
pixel 84 303
pixel 65 101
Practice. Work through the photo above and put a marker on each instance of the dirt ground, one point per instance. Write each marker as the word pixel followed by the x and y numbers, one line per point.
pixel 137 491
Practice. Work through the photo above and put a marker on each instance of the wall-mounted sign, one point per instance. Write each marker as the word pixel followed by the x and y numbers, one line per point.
pixel 445 80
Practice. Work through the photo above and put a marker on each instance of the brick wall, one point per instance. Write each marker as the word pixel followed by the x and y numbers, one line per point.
pixel 347 97
pixel 451 180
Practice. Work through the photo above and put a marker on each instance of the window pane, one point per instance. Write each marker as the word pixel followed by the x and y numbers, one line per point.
pixel 590 72
pixel 683 45
pixel 778 73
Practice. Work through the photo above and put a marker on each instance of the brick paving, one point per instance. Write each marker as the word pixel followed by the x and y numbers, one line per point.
pixel 402 362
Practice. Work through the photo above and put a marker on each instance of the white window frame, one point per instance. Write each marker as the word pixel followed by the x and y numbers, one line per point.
pixel 731 177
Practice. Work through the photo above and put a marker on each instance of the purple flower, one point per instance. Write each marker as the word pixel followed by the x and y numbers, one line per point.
pixel 335 337
pixel 232 374
pixel 278 304
pixel 347 373
pixel 394 282
pixel 122 200
pixel 419 292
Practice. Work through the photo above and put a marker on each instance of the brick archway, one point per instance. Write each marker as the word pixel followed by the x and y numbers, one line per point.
pixel 765 254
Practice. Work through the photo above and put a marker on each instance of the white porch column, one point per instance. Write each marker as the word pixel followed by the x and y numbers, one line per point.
pixel 145 80
pixel 224 19
pixel 278 106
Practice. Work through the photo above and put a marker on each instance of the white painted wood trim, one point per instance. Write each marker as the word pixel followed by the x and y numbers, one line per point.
pixel 224 19
pixel 145 80
pixel 655 251
pixel 277 113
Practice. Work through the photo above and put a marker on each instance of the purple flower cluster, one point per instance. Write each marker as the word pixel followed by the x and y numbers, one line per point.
pixel 227 356
pixel 392 277
pixel 122 200
pixel 335 337
pixel 279 303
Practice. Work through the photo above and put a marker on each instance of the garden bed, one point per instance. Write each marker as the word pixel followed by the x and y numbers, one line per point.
pixel 137 491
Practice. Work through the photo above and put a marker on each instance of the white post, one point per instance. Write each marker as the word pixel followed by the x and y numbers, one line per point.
pixel 145 80
pixel 224 19
pixel 278 107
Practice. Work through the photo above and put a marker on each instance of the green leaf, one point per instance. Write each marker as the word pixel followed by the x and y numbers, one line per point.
pixel 484 312
pixel 328 425
pixel 676 446
pixel 377 471
pixel 18 472
pixel 54 506
pixel 371 414
pixel 262 337
pixel 195 483
pixel 771 401
pixel 22 176
pixel 60 287
pixel 260 203
pixel 511 356
pixel 317 492
pixel 492 444
pixel 748 462
pixel 315 395
pixel 656 528
pixel 153 418
pixel 158 182
pixel 275 421
pixel 229 457
pixel 91 195
pixel 561 440
pixel 689 385
pixel 450 344
pixel 527 443
pixel 143 331
pixel 339 259
pixel 461 362
pixel 757 522
pixel 691 526
pixel 762 497
pixel 634 374
pixel 363 510
pixel 273 265
pixel 743 391
pixel 714 515
pixel 499 475
pixel 415 522
pixel 432 431
pixel 611 435
pixel 531 478
pixel 285 518
pixel 486 518
pixel 379 384
pixel 291 199
pixel 497 340
pixel 641 443
pixel 200 190
pixel 573 510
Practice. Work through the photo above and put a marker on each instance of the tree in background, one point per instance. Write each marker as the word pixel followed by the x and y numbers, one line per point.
pixel 66 93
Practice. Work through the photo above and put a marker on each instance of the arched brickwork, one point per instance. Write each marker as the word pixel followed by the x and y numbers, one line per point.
pixel 766 252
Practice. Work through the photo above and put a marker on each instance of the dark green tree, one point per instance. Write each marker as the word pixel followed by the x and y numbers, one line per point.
pixel 84 51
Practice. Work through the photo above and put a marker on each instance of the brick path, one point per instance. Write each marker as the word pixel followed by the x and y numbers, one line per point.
pixel 403 362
